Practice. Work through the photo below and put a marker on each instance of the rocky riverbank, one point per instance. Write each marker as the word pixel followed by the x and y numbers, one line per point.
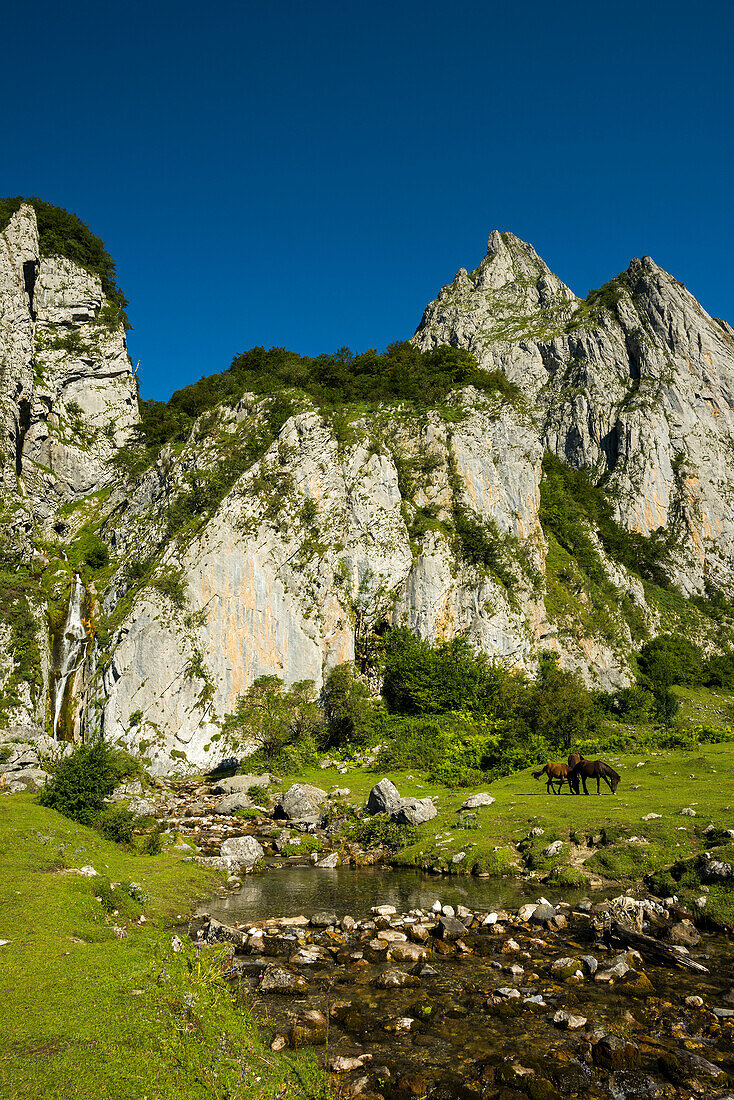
pixel 622 998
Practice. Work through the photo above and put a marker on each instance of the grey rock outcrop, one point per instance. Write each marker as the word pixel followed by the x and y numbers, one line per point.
pixel 67 390
pixel 636 383
pixel 300 804
pixel 383 798
pixel 241 851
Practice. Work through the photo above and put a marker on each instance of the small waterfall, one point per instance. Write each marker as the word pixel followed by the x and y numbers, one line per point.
pixel 71 651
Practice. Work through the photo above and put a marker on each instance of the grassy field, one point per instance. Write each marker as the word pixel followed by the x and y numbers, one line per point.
pixel 88 1014
pixel 603 836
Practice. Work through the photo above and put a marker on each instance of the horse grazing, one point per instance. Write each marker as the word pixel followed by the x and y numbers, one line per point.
pixel 557 773
pixel 592 769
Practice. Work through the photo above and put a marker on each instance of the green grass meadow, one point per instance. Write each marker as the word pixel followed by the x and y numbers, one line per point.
pixel 87 1014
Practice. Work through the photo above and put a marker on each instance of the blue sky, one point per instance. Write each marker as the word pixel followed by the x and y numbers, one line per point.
pixel 309 174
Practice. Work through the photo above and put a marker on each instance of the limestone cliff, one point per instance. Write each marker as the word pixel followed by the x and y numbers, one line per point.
pixel 635 383
pixel 277 539
pixel 68 395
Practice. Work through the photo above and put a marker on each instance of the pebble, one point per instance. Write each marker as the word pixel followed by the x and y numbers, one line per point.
pixel 568 1021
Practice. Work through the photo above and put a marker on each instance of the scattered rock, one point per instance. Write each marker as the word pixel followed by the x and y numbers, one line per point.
pixel 568 1021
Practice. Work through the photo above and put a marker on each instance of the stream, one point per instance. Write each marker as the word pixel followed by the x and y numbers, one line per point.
pixel 399 1006
pixel 287 891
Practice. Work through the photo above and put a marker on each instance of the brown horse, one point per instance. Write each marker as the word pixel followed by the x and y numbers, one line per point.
pixel 557 773
pixel 593 769
pixel 574 759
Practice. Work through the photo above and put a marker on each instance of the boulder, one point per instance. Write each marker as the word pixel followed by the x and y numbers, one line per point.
pixel 414 811
pixel 26 778
pixel 384 798
pixel 450 929
pixel 713 870
pixel 568 1020
pixel 329 862
pixel 684 934
pixel 543 913
pixel 241 851
pixel 476 800
pixel 216 932
pixel 407 952
pixel 239 784
pixel 552 850
pixel 232 802
pixel 300 803
pixel 324 919
pixel 392 978
pixel 277 979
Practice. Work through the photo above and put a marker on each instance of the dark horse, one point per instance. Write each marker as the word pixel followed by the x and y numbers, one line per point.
pixel 557 773
pixel 592 769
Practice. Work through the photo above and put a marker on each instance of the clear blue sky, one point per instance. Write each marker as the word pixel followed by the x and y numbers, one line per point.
pixel 308 173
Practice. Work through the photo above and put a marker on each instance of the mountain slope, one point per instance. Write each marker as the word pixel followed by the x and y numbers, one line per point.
pixel 560 480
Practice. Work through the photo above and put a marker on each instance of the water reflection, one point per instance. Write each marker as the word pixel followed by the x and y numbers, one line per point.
pixel 292 890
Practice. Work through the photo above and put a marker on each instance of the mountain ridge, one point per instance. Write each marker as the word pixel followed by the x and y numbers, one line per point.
pixel 532 470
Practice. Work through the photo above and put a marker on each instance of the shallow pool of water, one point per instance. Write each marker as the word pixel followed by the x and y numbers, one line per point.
pixel 289 891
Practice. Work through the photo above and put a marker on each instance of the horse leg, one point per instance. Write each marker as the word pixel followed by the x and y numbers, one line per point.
pixel 583 780
pixel 549 785
pixel 597 784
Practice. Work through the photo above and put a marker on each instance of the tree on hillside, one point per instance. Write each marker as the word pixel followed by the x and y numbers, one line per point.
pixel 347 703
pixel 559 707
pixel 270 718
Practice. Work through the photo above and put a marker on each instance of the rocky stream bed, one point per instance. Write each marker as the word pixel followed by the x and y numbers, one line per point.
pixel 616 999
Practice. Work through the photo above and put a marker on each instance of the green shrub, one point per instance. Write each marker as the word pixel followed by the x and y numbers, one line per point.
pixel 302 846
pixel 117 823
pixel 380 831
pixel 152 843
pixel 81 782
pixel 97 555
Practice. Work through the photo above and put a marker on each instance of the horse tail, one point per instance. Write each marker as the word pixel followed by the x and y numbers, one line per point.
pixel 537 775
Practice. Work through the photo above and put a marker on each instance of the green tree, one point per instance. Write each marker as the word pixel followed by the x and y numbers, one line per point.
pixel 421 678
pixel 559 708
pixel 270 718
pixel 671 659
pixel 347 703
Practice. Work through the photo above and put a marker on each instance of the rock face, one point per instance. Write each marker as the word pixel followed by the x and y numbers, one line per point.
pixel 636 384
pixel 320 536
pixel 68 394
